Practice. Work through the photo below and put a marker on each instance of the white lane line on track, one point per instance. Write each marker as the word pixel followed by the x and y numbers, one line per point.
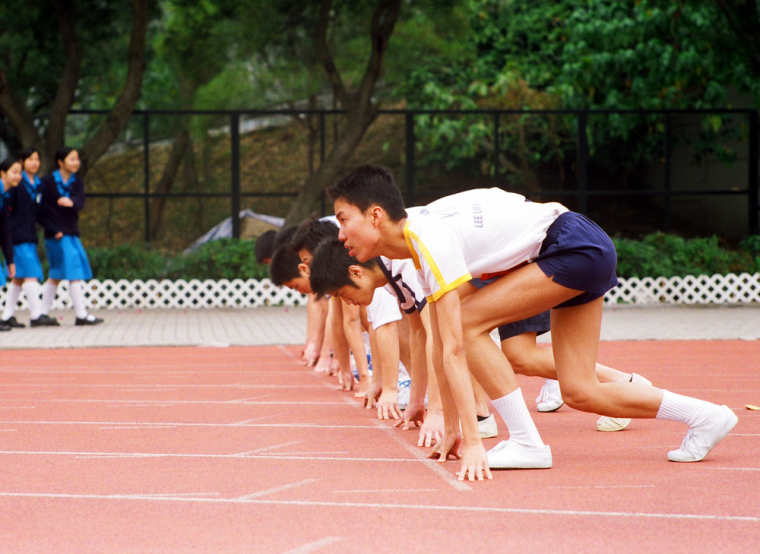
pixel 170 402
pixel 273 490
pixel 602 486
pixel 285 350
pixel 234 455
pixel 158 386
pixel 271 447
pixel 381 491
pixel 159 424
pixel 432 465
pixel 384 506
pixel 315 545
pixel 734 468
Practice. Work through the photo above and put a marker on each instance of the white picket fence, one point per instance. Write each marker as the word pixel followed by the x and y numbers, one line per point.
pixel 743 288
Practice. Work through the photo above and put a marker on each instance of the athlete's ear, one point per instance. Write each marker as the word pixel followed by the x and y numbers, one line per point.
pixel 375 214
pixel 304 270
pixel 354 271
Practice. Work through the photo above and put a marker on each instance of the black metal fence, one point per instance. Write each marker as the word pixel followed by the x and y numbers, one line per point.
pixel 576 187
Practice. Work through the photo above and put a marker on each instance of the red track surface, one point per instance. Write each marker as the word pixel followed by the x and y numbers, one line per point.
pixel 244 450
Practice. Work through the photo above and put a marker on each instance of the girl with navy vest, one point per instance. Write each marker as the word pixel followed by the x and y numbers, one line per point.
pixel 23 204
pixel 10 175
pixel 62 200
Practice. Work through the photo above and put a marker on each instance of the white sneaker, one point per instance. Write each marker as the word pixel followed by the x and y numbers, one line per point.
pixel 549 398
pixel 701 438
pixel 487 427
pixel 611 424
pixel 512 455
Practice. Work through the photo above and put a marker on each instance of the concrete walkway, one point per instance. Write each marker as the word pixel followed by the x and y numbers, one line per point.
pixel 262 326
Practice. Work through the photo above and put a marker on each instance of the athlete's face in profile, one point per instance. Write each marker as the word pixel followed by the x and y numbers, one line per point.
pixel 358 230
pixel 301 284
pixel 362 290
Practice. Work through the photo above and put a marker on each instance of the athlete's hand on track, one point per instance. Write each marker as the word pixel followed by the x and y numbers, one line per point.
pixel 431 431
pixel 370 401
pixel 474 463
pixel 447 448
pixel 387 405
pixel 414 415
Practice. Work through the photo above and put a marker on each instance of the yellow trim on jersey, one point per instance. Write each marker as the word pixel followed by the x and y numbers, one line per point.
pixel 409 244
pixel 444 287
pixel 440 292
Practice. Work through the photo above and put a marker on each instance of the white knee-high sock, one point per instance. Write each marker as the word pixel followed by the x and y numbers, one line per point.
pixel 516 416
pixel 48 295
pixel 32 291
pixel 76 291
pixel 14 291
pixel 677 407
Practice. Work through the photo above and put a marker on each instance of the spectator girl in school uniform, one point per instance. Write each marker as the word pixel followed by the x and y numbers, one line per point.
pixel 10 175
pixel 62 199
pixel 23 205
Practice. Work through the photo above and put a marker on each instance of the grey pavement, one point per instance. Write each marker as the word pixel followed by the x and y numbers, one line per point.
pixel 281 325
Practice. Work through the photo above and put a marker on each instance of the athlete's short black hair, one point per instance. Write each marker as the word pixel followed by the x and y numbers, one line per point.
pixel 367 185
pixel 311 232
pixel 283 236
pixel 284 266
pixel 329 267
pixel 265 245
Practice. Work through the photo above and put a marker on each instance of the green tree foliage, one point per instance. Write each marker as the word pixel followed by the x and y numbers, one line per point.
pixel 595 54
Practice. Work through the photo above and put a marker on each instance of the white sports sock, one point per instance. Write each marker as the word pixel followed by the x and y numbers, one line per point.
pixel 32 291
pixel 48 295
pixel 77 298
pixel 677 407
pixel 14 291
pixel 516 416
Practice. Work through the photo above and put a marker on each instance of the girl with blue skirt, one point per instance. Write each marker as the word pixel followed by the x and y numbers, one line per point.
pixel 10 175
pixel 62 199
pixel 23 205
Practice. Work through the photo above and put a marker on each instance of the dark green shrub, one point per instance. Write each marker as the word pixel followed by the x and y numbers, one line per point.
pixel 219 259
pixel 126 261
pixel 665 255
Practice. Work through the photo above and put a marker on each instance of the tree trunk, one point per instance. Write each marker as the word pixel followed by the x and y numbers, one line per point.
pixel 119 116
pixel 23 121
pixel 361 110
pixel 180 144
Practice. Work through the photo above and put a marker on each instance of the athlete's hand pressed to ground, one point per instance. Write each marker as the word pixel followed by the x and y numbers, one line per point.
pixel 310 354
pixel 474 463
pixel 414 415
pixel 431 431
pixel 447 448
pixel 370 401
pixel 387 406
pixel 323 365
pixel 346 380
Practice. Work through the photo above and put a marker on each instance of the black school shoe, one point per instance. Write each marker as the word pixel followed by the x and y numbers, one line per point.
pixel 89 320
pixel 44 321
pixel 4 326
pixel 12 322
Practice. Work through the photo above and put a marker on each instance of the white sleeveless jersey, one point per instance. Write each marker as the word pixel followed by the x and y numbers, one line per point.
pixel 473 234
pixel 404 283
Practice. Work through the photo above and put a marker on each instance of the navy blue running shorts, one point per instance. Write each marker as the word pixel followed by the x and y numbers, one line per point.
pixel 578 254
pixel 538 324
